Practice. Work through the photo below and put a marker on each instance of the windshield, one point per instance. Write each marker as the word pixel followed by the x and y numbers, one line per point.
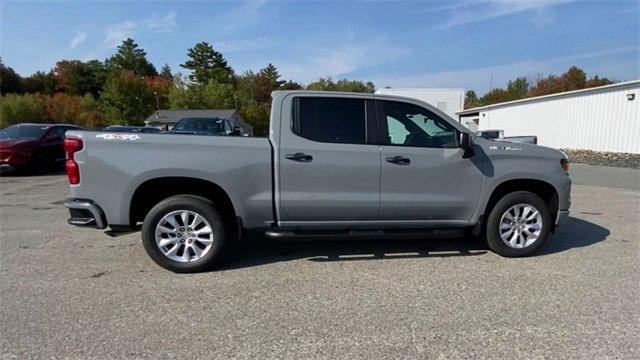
pixel 23 131
pixel 213 126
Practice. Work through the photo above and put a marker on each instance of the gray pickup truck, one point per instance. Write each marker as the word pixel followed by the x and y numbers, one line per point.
pixel 334 165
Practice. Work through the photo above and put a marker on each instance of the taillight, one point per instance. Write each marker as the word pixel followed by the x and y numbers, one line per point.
pixel 71 146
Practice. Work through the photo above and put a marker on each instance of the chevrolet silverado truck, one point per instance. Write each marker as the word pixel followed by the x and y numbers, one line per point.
pixel 334 165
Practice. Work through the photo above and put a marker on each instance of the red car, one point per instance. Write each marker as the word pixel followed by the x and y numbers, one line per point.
pixel 35 148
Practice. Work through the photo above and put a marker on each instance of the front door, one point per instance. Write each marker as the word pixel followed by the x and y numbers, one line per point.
pixel 424 176
pixel 327 171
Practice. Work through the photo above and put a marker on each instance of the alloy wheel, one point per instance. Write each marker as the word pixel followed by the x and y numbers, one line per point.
pixel 520 226
pixel 184 236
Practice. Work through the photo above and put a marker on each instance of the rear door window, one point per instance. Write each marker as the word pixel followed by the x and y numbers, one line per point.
pixel 330 120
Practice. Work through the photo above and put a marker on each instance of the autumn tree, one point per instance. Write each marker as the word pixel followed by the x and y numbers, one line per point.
pixel 598 81
pixel 131 58
pixel 78 78
pixel 545 86
pixel 574 79
pixel 62 108
pixel 207 64
pixel 496 95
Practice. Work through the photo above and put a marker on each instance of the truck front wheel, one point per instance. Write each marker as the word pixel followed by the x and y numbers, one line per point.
pixel 184 233
pixel 518 224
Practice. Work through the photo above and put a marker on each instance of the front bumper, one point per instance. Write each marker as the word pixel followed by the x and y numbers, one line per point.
pixel 85 213
pixel 563 216
pixel 14 159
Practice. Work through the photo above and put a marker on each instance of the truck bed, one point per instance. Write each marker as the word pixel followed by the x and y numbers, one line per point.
pixel 114 165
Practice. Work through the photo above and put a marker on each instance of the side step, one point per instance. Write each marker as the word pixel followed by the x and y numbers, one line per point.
pixel 304 235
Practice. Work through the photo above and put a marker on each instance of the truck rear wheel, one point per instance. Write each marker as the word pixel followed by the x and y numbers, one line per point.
pixel 184 233
pixel 518 224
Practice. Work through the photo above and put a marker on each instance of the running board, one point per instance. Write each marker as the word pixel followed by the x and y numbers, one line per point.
pixel 303 235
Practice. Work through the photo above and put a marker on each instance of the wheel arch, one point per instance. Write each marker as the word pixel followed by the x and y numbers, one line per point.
pixel 544 189
pixel 152 191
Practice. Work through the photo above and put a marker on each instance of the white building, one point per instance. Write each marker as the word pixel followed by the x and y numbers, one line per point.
pixel 605 118
pixel 449 101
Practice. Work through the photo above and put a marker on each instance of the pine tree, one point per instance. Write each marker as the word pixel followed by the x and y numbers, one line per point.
pixel 271 74
pixel 206 65
pixel 166 72
pixel 471 99
pixel 130 57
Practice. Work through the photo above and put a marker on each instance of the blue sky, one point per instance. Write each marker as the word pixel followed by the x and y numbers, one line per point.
pixel 402 44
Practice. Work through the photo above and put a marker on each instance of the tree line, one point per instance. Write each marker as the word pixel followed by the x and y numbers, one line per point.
pixel 126 88
pixel 520 88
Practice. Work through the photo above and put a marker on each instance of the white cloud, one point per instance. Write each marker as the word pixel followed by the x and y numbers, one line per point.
pixel 160 23
pixel 244 15
pixel 115 33
pixel 80 37
pixel 481 10
pixel 479 78
pixel 323 61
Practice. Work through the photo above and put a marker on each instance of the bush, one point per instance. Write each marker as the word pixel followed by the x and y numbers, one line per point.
pixel 21 108
pixel 257 115
pixel 63 108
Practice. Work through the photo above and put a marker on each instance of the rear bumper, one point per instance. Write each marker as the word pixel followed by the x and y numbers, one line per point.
pixel 85 213
pixel 563 216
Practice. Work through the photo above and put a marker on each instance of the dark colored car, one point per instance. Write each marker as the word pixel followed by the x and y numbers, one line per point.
pixel 206 126
pixel 140 129
pixel 35 148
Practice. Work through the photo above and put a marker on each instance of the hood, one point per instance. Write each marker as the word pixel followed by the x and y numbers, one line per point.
pixel 7 144
pixel 505 148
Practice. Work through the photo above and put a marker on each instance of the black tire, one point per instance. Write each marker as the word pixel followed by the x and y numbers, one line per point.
pixel 495 242
pixel 202 206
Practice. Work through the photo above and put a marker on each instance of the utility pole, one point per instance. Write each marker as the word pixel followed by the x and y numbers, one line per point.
pixel 157 105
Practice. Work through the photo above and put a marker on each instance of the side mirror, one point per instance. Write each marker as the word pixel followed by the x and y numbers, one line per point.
pixel 466 144
pixel 237 131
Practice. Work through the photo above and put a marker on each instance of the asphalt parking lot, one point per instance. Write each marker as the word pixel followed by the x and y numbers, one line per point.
pixel 68 292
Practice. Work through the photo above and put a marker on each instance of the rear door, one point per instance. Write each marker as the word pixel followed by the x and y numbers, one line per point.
pixel 328 171
pixel 424 176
